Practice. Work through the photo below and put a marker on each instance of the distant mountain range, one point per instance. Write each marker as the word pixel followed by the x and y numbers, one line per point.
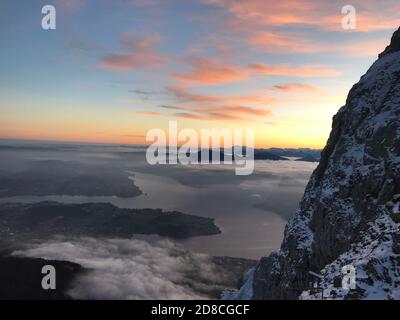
pixel 275 154
pixel 296 152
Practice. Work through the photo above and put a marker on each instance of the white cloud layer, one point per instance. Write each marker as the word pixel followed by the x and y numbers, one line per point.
pixel 133 269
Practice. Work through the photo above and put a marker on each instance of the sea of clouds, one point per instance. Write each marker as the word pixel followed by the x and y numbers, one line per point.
pixel 133 269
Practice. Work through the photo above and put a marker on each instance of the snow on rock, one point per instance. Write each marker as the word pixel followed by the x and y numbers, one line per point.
pixel 245 292
pixel 349 214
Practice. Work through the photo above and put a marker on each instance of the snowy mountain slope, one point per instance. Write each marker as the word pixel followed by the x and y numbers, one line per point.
pixel 350 210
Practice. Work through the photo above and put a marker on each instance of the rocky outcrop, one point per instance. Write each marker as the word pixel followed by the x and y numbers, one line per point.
pixel 349 214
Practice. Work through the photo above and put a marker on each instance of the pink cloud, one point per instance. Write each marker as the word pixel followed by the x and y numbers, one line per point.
pixel 210 72
pixel 294 43
pixel 183 94
pixel 295 87
pixel 378 18
pixel 232 110
pixel 139 53
pixel 326 15
pixel 305 71
pixel 222 113
pixel 278 42
pixel 263 24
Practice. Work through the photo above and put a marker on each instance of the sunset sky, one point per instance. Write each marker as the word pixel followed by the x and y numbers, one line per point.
pixel 112 70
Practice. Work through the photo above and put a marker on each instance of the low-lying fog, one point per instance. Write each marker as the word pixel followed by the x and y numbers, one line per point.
pixel 250 210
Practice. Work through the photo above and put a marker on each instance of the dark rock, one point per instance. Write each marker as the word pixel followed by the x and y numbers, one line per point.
pixel 394 44
pixel 395 217
pixel 21 279
pixel 396 243
pixel 337 282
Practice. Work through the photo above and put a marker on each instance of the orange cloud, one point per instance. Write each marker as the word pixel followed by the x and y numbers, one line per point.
pixel 294 86
pixel 368 19
pixel 326 15
pixel 210 72
pixel 305 71
pixel 149 113
pixel 182 94
pixel 193 116
pixel 280 42
pixel 206 112
pixel 245 14
pixel 139 53
pixel 232 110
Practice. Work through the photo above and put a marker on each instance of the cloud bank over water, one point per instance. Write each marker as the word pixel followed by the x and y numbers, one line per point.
pixel 134 269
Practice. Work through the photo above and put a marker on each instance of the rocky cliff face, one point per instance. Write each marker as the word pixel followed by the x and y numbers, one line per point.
pixel 349 214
